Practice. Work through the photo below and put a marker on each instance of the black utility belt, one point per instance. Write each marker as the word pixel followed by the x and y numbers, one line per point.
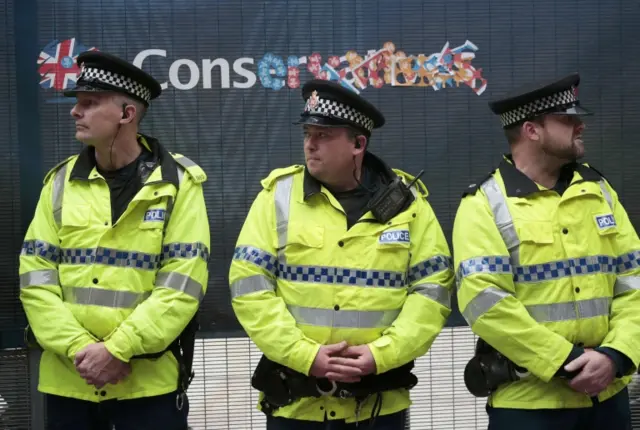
pixel 282 386
pixel 309 386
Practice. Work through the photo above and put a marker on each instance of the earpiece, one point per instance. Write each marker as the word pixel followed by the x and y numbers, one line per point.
pixel 124 111
pixel 357 144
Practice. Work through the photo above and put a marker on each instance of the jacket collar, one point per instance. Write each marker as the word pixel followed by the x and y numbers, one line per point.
pixel 86 161
pixel 374 171
pixel 517 184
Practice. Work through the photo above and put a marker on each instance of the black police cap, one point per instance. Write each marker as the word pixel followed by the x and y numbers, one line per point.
pixel 330 104
pixel 101 72
pixel 555 97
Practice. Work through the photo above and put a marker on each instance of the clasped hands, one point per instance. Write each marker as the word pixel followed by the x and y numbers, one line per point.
pixel 343 363
pixel 98 367
pixel 598 371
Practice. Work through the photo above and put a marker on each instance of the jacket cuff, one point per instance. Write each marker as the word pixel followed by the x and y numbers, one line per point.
pixel 302 360
pixel 576 352
pixel 119 346
pixel 622 362
pixel 381 349
pixel 79 345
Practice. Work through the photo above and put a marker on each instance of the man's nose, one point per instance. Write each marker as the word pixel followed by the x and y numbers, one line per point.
pixel 75 112
pixel 310 143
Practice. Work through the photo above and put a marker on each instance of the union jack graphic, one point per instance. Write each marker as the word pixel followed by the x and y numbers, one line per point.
pixel 57 64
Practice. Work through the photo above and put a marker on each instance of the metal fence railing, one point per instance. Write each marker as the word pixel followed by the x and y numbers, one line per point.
pixel 222 398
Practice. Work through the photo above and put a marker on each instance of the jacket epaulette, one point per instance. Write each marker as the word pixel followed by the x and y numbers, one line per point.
pixel 279 173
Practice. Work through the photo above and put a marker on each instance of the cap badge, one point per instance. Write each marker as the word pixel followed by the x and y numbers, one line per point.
pixel 312 102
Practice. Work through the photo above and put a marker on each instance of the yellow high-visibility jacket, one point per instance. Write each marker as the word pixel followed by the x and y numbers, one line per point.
pixel 539 273
pixel 133 284
pixel 299 279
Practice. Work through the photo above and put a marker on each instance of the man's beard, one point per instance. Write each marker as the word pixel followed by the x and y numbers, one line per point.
pixel 570 153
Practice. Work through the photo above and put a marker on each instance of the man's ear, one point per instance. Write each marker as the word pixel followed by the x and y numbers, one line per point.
pixel 530 130
pixel 129 113
pixel 360 144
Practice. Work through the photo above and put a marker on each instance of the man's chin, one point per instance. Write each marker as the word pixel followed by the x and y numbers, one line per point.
pixel 315 172
pixel 83 138
pixel 313 166
pixel 578 152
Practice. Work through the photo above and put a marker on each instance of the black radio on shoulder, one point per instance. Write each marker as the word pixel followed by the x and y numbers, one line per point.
pixel 390 200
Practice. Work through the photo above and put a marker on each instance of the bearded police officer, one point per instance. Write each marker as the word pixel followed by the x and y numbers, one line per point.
pixel 548 271
pixel 114 263
pixel 341 275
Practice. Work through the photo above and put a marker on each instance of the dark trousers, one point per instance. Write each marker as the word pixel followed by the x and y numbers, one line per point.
pixel 385 422
pixel 157 413
pixel 612 414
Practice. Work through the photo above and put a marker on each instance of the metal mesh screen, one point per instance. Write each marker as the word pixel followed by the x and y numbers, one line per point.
pixel 634 393
pixel 10 312
pixel 222 397
pixel 15 399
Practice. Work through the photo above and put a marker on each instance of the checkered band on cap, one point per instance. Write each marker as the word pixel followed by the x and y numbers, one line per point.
pixel 541 105
pixel 332 108
pixel 117 80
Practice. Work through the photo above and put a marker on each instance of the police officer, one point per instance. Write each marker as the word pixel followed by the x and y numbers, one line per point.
pixel 548 271
pixel 341 275
pixel 114 263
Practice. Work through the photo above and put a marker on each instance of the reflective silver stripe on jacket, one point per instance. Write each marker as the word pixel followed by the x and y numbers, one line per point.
pixel 553 312
pixel 185 161
pixel 503 218
pixel 482 303
pixel 626 283
pixel 39 277
pixel 102 297
pixel 252 284
pixel 57 194
pixel 181 173
pixel 606 193
pixel 435 292
pixel 343 318
pixel 127 299
pixel 282 197
pixel 569 311
pixel 179 282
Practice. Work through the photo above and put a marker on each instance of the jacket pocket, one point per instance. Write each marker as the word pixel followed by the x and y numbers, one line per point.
pixel 76 216
pixel 300 235
pixel 75 227
pixel 537 232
